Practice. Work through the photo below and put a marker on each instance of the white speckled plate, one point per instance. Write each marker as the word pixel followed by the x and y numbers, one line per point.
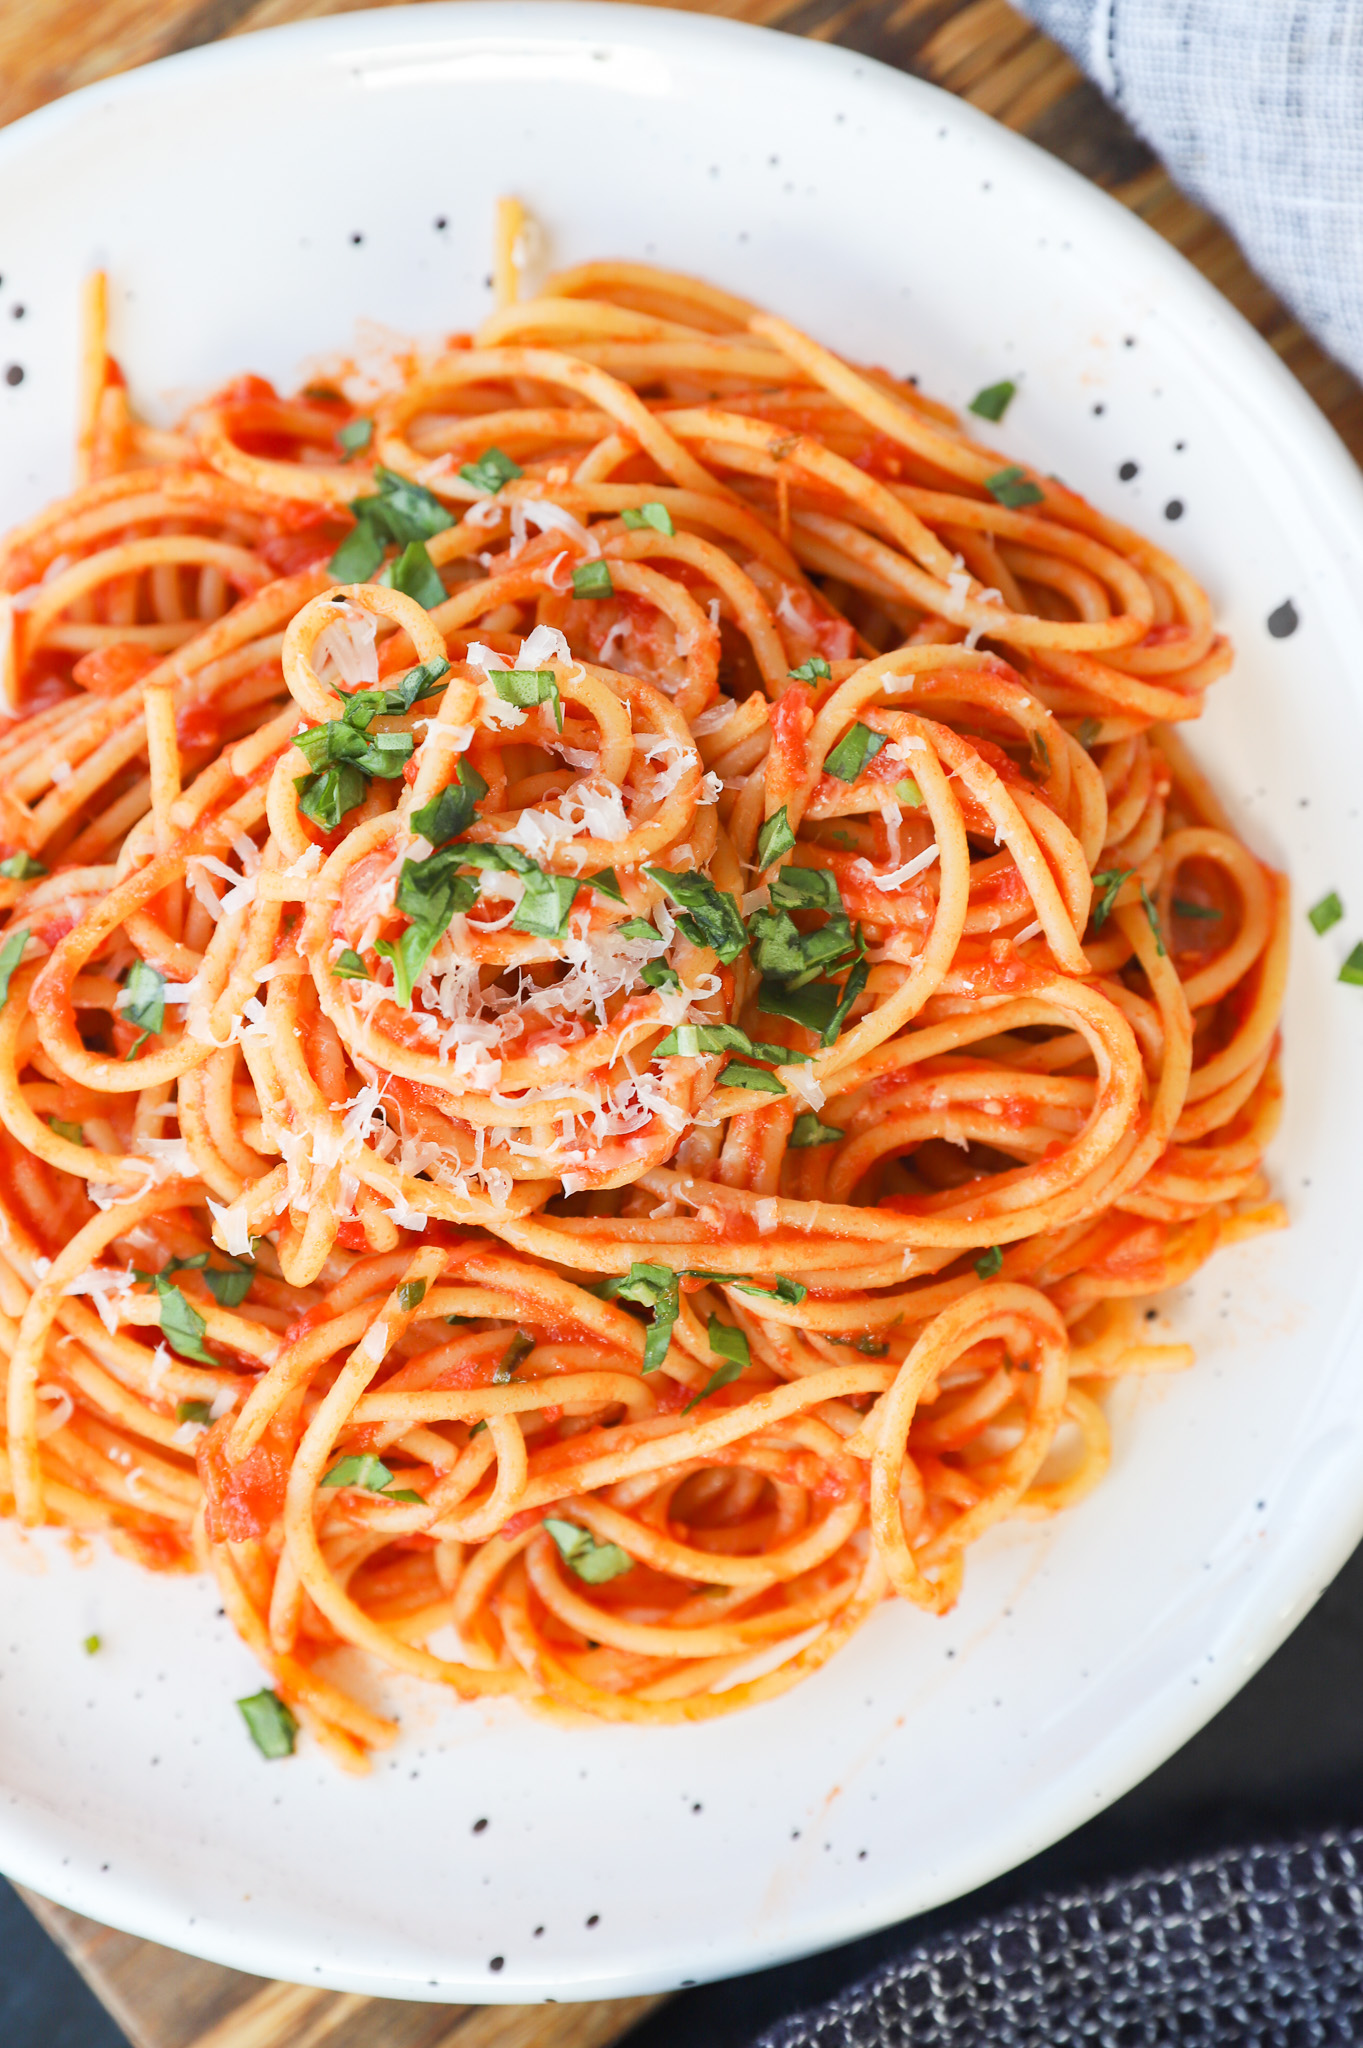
pixel 253 202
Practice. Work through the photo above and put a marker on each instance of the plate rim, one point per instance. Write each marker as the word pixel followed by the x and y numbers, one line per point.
pixel 1307 1558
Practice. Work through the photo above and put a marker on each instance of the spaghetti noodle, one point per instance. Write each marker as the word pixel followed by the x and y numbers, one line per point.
pixel 615 983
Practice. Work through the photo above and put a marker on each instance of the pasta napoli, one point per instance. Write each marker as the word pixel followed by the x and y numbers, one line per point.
pixel 615 979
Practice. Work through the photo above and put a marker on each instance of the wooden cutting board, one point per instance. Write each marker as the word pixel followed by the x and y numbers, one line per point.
pixel 982 50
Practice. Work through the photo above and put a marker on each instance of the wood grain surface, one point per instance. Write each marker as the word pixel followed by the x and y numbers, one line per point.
pixel 985 52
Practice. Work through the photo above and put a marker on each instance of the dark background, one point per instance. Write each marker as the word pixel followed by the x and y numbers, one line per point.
pixel 1286 1755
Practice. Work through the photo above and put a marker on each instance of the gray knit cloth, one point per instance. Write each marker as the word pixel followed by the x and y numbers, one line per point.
pixel 1261 1948
pixel 1256 108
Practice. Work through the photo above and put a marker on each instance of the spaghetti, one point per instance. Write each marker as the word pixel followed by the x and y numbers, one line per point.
pixel 615 983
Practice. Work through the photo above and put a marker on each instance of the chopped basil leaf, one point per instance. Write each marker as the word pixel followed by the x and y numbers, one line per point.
pixel 72 1133
pixel 355 436
pixel 774 839
pixel 348 740
pixel 348 966
pixel 92 1645
pixel 812 1006
pixel 655 1288
pixel 592 1561
pixel 430 891
pixel 993 402
pixel 814 670
pixel 1041 754
pixel 367 1471
pixel 181 1324
pixel 791 1292
pixel 526 687
pixel 593 579
pixel 1152 919
pixel 1327 912
pixel 608 882
pixel 989 1262
pixel 852 752
pixel 425 680
pixel 411 1294
pixel 652 514
pixel 416 576
pixel 706 915
pixel 1013 487
pixel 807 1130
pixel 404 1494
pixel 1183 908
pixel 691 1041
pixel 326 796
pixel 519 1349
pixel 143 1001
pixel 1352 970
pixel 1109 881
pixel 1089 729
pixel 851 989
pixel 452 811
pixel 657 974
pixel 271 1726
pixel 728 1342
pixel 229 1286
pixel 785 954
pixel 402 511
pixel 738 1074
pixel 194 1411
pixel 806 889
pixel 490 471
pixel 545 903
pixel 722 1374
pixel 501 860
pixel 358 555
pixel 408 956
pixel 909 793
pixel 637 928
pixel 21 867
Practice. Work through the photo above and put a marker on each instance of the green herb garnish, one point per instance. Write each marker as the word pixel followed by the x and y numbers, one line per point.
pixel 355 436
pixel 814 670
pixel 451 812
pixel 1183 908
pixel 989 1262
pixel 593 579
pixel 271 1726
pixel 1352 970
pixel 1109 881
pixel 73 1133
pixel 194 1411
pixel 993 402
pixel 526 687
pixel 21 867
pixel 654 1288
pixel 416 576
pixel 1013 487
pixel 852 752
pixel 1327 912
pixel 491 471
pixel 807 1130
pixel 517 1351
pixel 592 1561
pixel 774 839
pixel 706 915
pixel 652 514
pixel 348 966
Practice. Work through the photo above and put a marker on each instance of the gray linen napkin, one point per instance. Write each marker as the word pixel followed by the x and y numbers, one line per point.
pixel 1257 1948
pixel 1256 108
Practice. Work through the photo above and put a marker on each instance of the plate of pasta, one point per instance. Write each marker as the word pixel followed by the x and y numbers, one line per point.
pixel 678 1040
